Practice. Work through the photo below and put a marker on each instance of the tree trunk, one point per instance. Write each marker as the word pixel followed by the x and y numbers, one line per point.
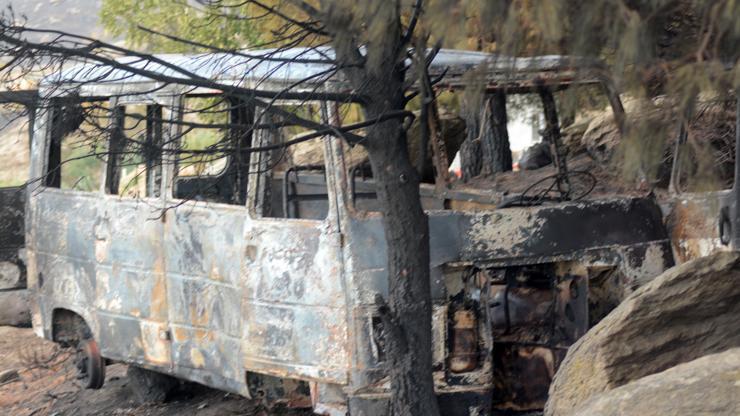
pixel 495 138
pixel 486 150
pixel 552 130
pixel 470 150
pixel 407 317
pixel 380 76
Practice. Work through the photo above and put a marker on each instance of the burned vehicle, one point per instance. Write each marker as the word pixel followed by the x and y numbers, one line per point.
pixel 701 202
pixel 257 273
pixel 13 296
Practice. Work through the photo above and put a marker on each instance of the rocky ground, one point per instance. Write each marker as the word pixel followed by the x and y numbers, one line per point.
pixel 45 386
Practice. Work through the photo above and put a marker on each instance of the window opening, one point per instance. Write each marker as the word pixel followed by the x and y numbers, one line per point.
pixel 76 153
pixel 212 161
pixel 296 175
pixel 17 122
pixel 707 147
pixel 135 152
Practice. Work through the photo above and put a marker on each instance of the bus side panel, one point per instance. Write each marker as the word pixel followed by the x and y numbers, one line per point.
pixel 63 253
pixel 131 299
pixel 294 301
pixel 204 246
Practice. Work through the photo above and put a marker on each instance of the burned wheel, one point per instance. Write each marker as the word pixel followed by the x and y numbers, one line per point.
pixel 89 364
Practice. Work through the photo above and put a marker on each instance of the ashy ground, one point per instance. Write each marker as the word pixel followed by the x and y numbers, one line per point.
pixel 46 386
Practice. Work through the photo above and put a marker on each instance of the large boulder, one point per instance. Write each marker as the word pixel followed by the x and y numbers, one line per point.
pixel 14 308
pixel 707 386
pixel 689 311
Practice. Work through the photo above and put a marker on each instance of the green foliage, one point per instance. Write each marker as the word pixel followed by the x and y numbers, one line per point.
pixel 677 48
pixel 652 49
pixel 203 110
pixel 647 44
pixel 82 169
pixel 216 26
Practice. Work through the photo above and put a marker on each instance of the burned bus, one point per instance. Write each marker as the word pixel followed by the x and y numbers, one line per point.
pixel 17 114
pixel 257 272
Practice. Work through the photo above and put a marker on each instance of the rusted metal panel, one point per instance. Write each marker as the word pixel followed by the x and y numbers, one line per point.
pixel 295 293
pixel 192 290
pixel 64 252
pixel 693 224
pixel 521 235
pixel 131 297
pixel 558 230
pixel 626 234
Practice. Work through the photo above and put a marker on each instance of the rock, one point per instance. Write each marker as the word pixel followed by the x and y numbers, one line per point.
pixel 14 308
pixel 688 311
pixel 10 276
pixel 535 157
pixel 707 386
pixel 8 375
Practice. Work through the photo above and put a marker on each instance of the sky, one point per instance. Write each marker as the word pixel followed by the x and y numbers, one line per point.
pixel 75 16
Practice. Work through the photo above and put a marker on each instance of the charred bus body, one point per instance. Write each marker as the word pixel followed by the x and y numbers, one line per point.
pixel 12 269
pixel 13 297
pixel 260 278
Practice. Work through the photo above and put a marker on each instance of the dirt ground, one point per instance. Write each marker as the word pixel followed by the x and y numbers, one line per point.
pixel 46 387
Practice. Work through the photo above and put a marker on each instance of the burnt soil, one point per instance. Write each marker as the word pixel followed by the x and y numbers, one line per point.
pixel 46 386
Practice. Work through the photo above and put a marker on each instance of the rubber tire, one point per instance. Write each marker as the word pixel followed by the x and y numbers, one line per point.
pixel 150 387
pixel 95 365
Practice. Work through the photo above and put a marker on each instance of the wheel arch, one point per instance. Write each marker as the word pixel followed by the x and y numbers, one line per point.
pixel 69 326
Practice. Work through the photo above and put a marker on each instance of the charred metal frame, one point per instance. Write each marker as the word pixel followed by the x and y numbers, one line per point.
pixel 12 202
pixel 702 222
pixel 226 296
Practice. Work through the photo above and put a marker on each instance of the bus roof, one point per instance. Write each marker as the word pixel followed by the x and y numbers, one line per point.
pixel 307 68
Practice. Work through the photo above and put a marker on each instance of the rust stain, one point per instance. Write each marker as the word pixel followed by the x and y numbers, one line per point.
pixel 215 273
pixel 202 335
pixel 196 358
pixel 159 298
pixel 156 349
pixel 692 229
pixel 179 334
pixel 101 250
pixel 688 221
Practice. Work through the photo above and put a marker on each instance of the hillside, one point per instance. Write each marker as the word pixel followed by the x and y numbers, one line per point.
pixel 73 16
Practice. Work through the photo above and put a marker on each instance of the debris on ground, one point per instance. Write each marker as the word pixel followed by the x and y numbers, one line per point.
pixel 44 385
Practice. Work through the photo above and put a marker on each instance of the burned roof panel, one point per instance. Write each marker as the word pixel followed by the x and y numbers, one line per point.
pixel 271 68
